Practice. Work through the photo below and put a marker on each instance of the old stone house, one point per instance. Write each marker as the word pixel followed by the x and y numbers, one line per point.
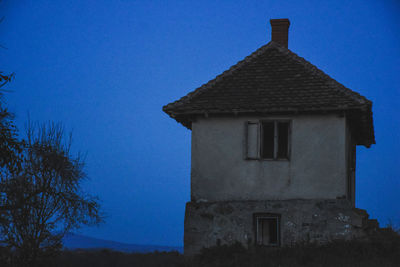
pixel 273 152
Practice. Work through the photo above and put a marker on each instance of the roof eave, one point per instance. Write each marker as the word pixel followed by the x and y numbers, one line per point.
pixel 366 139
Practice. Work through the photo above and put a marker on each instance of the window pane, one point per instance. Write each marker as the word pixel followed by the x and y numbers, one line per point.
pixel 259 232
pixel 268 140
pixel 283 140
pixel 252 141
pixel 267 231
pixel 266 237
pixel 273 230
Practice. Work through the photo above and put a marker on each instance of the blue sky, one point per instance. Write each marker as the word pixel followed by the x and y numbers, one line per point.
pixel 106 68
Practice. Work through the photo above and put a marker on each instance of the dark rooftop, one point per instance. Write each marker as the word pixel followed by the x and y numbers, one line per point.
pixel 274 80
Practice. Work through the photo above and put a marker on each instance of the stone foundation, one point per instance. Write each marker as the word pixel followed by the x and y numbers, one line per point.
pixel 317 221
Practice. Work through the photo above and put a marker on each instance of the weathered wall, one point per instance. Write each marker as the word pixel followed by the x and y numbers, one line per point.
pixel 316 169
pixel 315 221
pixel 350 165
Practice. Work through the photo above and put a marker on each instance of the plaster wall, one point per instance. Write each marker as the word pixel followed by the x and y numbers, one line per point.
pixel 316 169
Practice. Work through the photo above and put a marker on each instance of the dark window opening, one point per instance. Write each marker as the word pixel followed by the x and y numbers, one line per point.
pixel 267 230
pixel 283 139
pixel 275 140
pixel 268 140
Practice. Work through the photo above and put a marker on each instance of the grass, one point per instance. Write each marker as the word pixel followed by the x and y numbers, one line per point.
pixel 382 250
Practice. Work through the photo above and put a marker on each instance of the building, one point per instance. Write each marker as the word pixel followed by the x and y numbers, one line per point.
pixel 273 152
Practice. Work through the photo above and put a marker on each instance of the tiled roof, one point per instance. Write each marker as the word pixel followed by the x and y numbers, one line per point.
pixel 275 80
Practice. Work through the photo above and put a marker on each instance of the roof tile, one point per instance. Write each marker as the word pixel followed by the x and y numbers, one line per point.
pixel 273 79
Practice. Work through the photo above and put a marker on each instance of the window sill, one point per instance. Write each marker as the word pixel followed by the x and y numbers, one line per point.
pixel 268 246
pixel 274 159
pixel 258 159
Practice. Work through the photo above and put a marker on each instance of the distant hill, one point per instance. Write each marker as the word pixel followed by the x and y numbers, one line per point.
pixel 75 241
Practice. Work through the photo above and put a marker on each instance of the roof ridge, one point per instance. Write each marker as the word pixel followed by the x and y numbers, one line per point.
pixel 224 74
pixel 318 72
pixel 314 70
pixel 254 85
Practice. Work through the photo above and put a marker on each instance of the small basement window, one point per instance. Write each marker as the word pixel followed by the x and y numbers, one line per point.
pixel 267 230
pixel 268 140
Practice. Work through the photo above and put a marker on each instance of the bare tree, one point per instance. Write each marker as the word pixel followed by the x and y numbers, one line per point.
pixel 4 78
pixel 10 146
pixel 45 195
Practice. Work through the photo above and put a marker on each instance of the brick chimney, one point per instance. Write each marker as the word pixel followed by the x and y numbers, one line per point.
pixel 280 31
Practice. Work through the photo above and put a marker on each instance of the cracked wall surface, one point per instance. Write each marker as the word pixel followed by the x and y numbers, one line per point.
pixel 315 221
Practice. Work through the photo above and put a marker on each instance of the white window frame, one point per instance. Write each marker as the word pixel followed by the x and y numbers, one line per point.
pixel 259 141
pixel 260 216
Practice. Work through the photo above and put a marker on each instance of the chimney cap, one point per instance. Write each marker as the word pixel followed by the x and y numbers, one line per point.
pixel 276 22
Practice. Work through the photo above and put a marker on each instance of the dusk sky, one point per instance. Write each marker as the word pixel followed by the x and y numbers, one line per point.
pixel 105 69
